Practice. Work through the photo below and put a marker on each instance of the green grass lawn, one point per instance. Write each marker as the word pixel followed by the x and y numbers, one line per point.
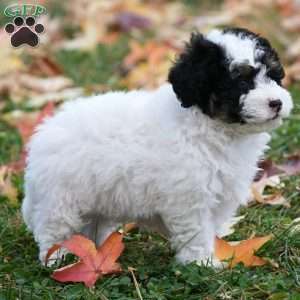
pixel 158 274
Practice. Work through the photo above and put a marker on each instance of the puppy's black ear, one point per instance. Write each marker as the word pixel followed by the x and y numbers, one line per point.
pixel 195 73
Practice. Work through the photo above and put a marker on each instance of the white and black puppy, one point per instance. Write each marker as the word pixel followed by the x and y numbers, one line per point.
pixel 179 159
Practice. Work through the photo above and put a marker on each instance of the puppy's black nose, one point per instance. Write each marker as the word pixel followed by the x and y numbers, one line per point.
pixel 275 105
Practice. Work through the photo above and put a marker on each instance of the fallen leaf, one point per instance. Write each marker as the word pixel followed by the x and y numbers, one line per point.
pixel 274 199
pixel 126 20
pixel 44 85
pixel 215 20
pixel 242 252
pixel 93 263
pixel 286 7
pixel 7 189
pixel 292 23
pixel 293 71
pixel 44 65
pixel 293 52
pixel 152 52
pixel 258 187
pixel 64 95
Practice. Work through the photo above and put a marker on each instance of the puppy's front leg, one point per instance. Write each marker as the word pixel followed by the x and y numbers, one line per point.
pixel 192 234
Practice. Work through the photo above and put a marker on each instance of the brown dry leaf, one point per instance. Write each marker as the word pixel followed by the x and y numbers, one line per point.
pixel 24 85
pixel 147 76
pixel 86 41
pixel 293 51
pixel 241 252
pixel 7 189
pixel 152 52
pixel 128 20
pixel 230 12
pixel 292 23
pixel 44 65
pixel 136 54
pixel 64 95
pixel 45 85
pixel 224 18
pixel 152 62
pixel 293 71
pixel 94 18
pixel 287 7
pixel 258 188
pixel 275 199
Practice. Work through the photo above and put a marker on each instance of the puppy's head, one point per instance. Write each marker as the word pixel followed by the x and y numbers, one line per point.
pixel 233 75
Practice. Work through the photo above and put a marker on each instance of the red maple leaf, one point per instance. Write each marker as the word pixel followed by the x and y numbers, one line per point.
pixel 93 263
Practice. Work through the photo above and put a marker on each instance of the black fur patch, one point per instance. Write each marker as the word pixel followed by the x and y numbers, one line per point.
pixel 193 74
pixel 201 77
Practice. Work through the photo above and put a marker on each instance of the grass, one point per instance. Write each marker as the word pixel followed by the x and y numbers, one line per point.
pixel 158 274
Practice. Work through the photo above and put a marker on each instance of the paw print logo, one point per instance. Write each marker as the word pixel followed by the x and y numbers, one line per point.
pixel 24 31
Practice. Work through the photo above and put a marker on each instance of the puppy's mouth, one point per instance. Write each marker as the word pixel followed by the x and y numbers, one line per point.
pixel 277 116
pixel 251 119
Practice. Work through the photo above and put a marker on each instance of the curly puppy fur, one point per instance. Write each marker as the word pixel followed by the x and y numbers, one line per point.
pixel 179 159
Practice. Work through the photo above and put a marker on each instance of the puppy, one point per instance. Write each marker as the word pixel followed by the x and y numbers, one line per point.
pixel 179 159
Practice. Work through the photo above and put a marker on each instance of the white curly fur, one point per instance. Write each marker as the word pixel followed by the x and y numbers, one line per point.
pixel 139 156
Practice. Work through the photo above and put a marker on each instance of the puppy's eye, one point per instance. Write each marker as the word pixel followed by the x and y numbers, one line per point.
pixel 243 84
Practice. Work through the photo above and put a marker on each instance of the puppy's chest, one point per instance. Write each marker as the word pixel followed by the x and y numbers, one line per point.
pixel 233 165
